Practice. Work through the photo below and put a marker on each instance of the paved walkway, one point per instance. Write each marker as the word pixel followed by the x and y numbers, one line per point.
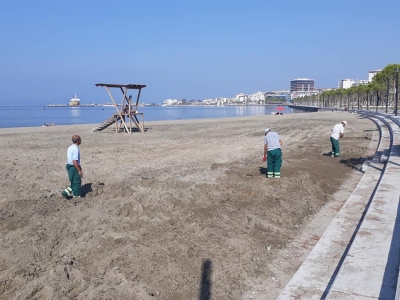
pixel 358 255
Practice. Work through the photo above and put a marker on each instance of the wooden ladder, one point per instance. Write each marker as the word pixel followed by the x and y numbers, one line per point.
pixel 106 123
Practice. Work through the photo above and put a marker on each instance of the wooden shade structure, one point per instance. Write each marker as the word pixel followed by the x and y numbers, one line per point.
pixel 127 110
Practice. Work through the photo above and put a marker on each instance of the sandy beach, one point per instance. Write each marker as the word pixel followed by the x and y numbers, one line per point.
pixel 171 213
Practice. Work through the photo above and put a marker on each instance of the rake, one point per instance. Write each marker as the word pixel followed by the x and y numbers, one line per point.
pixel 248 174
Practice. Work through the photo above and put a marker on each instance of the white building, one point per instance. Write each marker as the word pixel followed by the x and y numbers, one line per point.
pixel 257 97
pixel 301 94
pixel 345 83
pixel 241 97
pixel 170 102
pixel 371 74
pixel 279 92
pixel 360 82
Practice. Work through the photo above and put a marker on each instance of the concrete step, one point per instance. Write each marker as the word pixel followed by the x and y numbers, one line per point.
pixel 370 268
pixel 315 276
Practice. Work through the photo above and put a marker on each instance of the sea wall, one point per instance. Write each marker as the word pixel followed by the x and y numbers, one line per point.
pixel 305 108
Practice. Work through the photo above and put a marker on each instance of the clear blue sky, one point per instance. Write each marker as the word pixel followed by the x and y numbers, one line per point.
pixel 51 49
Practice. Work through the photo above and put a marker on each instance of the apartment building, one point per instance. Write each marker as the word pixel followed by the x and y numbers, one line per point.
pixel 345 83
pixel 302 85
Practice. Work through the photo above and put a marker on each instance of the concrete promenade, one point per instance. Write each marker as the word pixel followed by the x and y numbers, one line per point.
pixel 358 255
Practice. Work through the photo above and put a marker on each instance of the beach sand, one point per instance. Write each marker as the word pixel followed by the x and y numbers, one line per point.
pixel 171 213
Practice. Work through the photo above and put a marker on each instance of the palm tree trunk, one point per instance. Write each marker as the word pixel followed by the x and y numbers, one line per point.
pixel 348 101
pixel 387 95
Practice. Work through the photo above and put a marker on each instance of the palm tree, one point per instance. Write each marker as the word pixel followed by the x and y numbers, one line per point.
pixel 326 98
pixel 348 93
pixel 374 87
pixel 340 92
pixel 323 100
pixel 383 79
pixel 360 90
pixel 333 98
pixel 329 94
pixel 352 92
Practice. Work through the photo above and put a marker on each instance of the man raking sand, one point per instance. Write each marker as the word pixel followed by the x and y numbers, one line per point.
pixel 336 133
pixel 74 169
pixel 272 146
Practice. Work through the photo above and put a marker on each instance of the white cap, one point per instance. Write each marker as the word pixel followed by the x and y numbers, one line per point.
pixel 266 130
pixel 345 123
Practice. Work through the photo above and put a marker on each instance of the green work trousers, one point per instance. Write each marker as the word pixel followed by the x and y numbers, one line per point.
pixel 274 163
pixel 75 180
pixel 335 147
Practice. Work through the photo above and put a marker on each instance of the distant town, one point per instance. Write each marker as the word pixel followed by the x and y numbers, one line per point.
pixel 300 87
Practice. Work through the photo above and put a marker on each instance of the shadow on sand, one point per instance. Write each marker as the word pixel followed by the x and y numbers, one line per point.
pixel 86 188
pixel 205 284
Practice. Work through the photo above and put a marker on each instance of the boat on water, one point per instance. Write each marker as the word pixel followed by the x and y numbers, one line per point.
pixel 75 101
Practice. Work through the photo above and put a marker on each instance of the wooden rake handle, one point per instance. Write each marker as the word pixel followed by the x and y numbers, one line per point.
pixel 255 168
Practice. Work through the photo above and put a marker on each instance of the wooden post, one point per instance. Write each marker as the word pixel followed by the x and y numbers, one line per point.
pixel 136 109
pixel 137 99
pixel 122 109
pixel 130 111
pixel 131 118
pixel 116 107
pixel 138 122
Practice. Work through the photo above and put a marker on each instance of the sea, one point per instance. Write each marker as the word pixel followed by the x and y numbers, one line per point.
pixel 30 116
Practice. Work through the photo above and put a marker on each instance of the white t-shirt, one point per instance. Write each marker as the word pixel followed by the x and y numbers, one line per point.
pixel 337 130
pixel 272 140
pixel 73 153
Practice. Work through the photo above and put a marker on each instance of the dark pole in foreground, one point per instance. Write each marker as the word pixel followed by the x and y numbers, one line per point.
pixel 397 89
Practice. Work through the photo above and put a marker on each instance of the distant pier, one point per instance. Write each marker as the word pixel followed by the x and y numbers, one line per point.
pixel 82 105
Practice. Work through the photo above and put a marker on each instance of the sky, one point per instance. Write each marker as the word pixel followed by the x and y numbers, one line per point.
pixel 186 49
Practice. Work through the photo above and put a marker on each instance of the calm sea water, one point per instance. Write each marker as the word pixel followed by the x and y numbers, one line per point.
pixel 27 116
